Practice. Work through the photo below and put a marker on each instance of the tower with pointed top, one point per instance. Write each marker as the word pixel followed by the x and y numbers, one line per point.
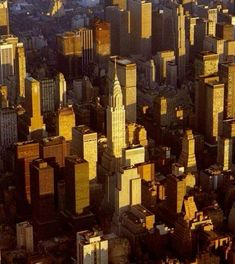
pixel 116 134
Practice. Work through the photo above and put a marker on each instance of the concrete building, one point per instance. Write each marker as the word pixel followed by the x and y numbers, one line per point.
pixel 141 27
pixel 65 121
pixel 8 129
pixel 76 184
pixel 4 18
pixel 84 144
pixel 224 152
pixel 92 247
pixel 47 92
pixel 127 76
pixel 161 60
pixel 60 91
pixel 20 69
pixel 7 61
pixel 102 41
pixel 227 76
pixel 214 111
pixel 215 45
pixel 120 30
pixel 224 31
pixel 24 236
pixel 187 157
pixel 34 119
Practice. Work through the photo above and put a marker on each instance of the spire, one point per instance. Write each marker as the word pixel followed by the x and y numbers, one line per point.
pixel 115 97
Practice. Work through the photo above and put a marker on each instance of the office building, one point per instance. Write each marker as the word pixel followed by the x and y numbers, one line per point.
pixel 7 61
pixel 161 59
pixel 175 192
pixel 8 129
pixel 102 41
pixel 227 76
pixel 224 152
pixel 47 95
pixel 4 17
pixel 224 31
pixel 187 157
pixel 92 247
pixel 24 236
pixel 127 76
pixel 65 121
pixel 42 198
pixel 25 153
pixel 214 111
pixel 55 147
pixel 76 184
pixel 84 144
pixel 141 27
pixel 75 52
pixel 120 30
pixel 60 91
pixel 215 45
pixel 36 127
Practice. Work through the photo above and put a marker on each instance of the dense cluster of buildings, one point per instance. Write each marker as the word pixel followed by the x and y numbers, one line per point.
pixel 117 132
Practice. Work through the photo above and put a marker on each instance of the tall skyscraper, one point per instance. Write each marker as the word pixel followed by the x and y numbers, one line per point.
pixel 8 128
pixel 127 76
pixel 4 18
pixel 42 197
pixel 7 61
pixel 84 144
pixel 224 152
pixel 60 91
pixel 116 133
pixel 120 30
pixel 214 111
pixel 227 76
pixel 20 65
pixel 187 157
pixel 47 92
pixel 65 121
pixel 141 27
pixel 92 247
pixel 102 41
pixel 76 184
pixel 36 127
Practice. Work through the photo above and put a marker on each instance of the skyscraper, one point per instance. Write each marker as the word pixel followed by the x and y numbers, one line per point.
pixel 8 128
pixel 127 76
pixel 141 27
pixel 76 184
pixel 4 18
pixel 20 69
pixel 122 4
pixel 7 61
pixel 36 127
pixel 84 144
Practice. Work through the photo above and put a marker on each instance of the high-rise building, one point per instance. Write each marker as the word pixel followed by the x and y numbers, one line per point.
pixel 141 27
pixel 56 147
pixel 122 4
pixel 92 247
pixel 120 30
pixel 224 152
pixel 227 76
pixel 84 144
pixel 3 96
pixel 174 34
pixel 60 91
pixel 214 111
pixel 36 127
pixel 7 61
pixel 224 31
pixel 102 41
pixel 75 51
pixel 25 153
pixel 42 196
pixel 4 17
pixel 215 45
pixel 76 184
pixel 126 73
pixel 47 95
pixel 157 31
pixel 20 65
pixel 65 121
pixel 161 59
pixel 175 191
pixel 187 157
pixel 24 236
pixel 8 128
